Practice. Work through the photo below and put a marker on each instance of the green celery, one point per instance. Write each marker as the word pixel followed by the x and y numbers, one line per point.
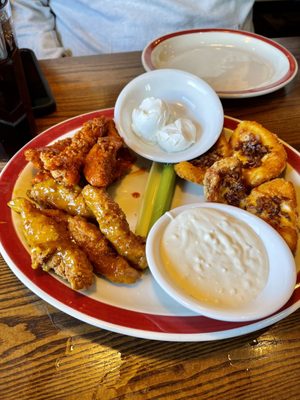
pixel 148 199
pixel 157 197
pixel 164 193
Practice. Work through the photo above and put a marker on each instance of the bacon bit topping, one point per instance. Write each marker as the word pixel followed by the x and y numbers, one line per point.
pixel 207 159
pixel 253 149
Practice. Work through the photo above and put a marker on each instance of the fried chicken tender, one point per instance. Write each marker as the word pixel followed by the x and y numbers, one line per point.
pixel 275 202
pixel 260 151
pixel 100 165
pixel 96 152
pixel 113 224
pixel 51 246
pixel 109 159
pixel 33 155
pixel 51 194
pixel 104 258
pixel 64 161
pixel 195 169
pixel 224 182
pixel 112 130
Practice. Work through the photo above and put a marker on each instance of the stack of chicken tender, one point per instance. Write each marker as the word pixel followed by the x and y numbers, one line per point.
pixel 69 221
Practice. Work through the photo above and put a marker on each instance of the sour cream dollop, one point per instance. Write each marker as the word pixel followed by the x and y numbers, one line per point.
pixel 215 257
pixel 177 136
pixel 155 123
pixel 151 115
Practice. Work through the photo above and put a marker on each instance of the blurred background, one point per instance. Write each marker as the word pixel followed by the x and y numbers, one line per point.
pixel 277 18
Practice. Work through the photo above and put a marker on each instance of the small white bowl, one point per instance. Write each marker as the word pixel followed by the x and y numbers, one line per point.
pixel 188 95
pixel 280 282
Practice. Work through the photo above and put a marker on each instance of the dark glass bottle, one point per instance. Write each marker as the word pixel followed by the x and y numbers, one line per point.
pixel 17 125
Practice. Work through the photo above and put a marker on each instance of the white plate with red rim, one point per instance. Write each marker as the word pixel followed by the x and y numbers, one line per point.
pixel 234 63
pixel 141 310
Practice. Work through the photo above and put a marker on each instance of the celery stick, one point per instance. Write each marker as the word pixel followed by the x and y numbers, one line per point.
pixel 164 193
pixel 148 199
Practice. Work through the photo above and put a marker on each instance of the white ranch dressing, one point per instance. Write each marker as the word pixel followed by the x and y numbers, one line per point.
pixel 215 257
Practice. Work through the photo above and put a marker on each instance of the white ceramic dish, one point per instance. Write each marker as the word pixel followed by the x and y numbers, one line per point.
pixel 234 63
pixel 143 310
pixel 281 279
pixel 188 96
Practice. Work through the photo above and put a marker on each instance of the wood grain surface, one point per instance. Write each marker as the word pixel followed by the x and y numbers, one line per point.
pixel 46 354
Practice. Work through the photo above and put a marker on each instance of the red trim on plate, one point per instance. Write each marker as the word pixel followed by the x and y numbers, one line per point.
pixel 230 123
pixel 293 158
pixel 80 302
pixel 291 59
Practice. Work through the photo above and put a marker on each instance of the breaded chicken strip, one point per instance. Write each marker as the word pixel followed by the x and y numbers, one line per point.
pixel 275 202
pixel 100 165
pixel 112 130
pixel 104 258
pixel 113 224
pixel 64 160
pixel 51 246
pixel 108 160
pixel 106 261
pixel 34 155
pixel 51 194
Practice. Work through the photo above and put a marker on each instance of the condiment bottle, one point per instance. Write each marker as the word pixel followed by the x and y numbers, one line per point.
pixel 17 125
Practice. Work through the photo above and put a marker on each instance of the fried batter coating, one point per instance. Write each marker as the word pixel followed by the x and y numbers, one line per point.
pixel 51 246
pixel 49 193
pixel 41 176
pixel 100 165
pixel 64 160
pixel 194 170
pixel 96 151
pixel 112 130
pixel 260 151
pixel 275 202
pixel 104 258
pixel 224 182
pixel 33 155
pixel 113 224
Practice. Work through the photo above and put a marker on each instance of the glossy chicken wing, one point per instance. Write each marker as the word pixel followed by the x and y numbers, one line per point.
pixel 51 194
pixel 113 224
pixel 34 155
pixel 106 261
pixel 51 246
pixel 100 165
pixel 64 159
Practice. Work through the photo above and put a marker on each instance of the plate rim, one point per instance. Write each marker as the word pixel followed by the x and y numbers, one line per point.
pixel 156 327
pixel 284 80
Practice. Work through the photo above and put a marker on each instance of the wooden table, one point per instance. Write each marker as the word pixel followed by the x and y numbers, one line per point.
pixel 46 354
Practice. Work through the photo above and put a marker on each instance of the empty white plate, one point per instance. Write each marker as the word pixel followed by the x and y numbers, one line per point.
pixel 234 63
